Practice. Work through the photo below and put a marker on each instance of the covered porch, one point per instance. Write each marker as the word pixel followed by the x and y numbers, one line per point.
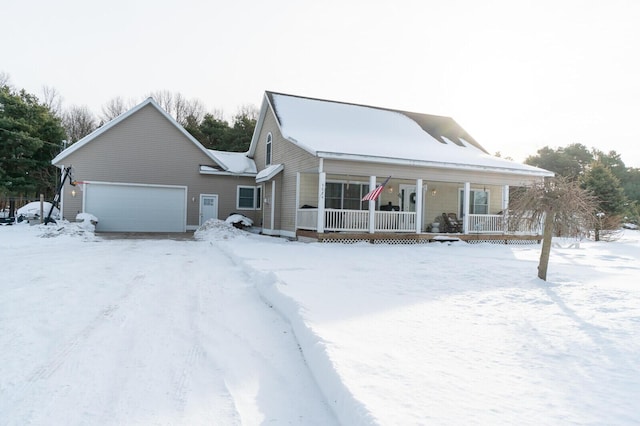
pixel 328 203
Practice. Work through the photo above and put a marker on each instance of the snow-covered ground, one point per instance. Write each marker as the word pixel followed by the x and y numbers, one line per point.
pixel 237 328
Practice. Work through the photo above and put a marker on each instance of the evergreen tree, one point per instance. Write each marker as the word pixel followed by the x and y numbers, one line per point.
pixel 606 187
pixel 569 162
pixel 30 136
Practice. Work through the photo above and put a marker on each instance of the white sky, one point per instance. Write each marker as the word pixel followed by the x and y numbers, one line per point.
pixel 517 75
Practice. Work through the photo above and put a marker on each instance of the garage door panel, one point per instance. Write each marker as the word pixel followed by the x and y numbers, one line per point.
pixel 137 208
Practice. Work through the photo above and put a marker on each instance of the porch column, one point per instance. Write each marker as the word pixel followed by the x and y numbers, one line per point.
pixel 465 208
pixel 372 206
pixel 505 208
pixel 322 180
pixel 273 204
pixel 505 198
pixel 297 200
pixel 419 206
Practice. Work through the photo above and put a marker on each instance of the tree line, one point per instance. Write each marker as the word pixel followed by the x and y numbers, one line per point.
pixel 615 186
pixel 34 130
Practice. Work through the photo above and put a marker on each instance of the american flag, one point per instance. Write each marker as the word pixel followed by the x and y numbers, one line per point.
pixel 375 192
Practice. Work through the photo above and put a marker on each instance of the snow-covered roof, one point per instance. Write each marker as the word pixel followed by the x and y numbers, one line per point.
pixel 347 131
pixel 234 162
pixel 230 162
pixel 269 172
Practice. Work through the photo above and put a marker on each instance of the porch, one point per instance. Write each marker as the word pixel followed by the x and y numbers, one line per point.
pixel 332 204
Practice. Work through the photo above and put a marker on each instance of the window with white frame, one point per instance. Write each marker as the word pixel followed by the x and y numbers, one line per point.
pixel 345 195
pixel 248 197
pixel 478 201
pixel 268 149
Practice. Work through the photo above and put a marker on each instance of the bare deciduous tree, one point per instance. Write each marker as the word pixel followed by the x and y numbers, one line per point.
pixel 5 79
pixel 115 107
pixel 78 121
pixel 52 99
pixel 179 107
pixel 560 204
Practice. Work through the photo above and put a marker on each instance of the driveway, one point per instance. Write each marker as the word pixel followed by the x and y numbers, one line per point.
pixel 124 330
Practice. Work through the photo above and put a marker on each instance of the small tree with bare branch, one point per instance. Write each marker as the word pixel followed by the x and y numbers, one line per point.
pixel 561 205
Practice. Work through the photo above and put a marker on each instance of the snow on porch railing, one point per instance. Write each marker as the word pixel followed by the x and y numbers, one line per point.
pixel 395 221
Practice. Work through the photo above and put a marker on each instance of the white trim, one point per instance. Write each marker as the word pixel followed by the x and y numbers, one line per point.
pixel 273 204
pixel 268 150
pixel 269 173
pixel 466 192
pixel 434 164
pixel 419 210
pixel 505 198
pixel 322 183
pixel 254 187
pixel 295 224
pixel 214 172
pixel 372 206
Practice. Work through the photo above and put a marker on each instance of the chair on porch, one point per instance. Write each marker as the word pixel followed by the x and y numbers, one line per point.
pixel 451 222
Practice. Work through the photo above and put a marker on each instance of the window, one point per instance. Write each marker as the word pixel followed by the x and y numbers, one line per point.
pixel 268 148
pixel 249 197
pixel 478 202
pixel 341 195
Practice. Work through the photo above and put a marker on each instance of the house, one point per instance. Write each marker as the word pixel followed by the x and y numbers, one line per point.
pixel 316 159
pixel 143 172
pixel 309 165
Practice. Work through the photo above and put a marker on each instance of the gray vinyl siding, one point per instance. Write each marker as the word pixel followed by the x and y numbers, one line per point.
pixel 146 148
pixel 295 159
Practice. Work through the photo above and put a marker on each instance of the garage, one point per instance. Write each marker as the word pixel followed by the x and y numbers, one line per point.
pixel 124 207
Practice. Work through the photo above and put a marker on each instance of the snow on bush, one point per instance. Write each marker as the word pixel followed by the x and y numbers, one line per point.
pixel 215 229
pixel 238 219
pixel 87 221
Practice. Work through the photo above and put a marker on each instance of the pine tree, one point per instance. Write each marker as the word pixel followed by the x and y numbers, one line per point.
pixel 30 136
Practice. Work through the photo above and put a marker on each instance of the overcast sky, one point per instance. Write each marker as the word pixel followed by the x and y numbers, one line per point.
pixel 517 75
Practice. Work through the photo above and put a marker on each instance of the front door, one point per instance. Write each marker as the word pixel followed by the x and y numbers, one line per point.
pixel 208 207
pixel 408 198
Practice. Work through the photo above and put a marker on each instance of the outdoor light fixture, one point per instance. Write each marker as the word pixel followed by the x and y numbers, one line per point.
pixel 434 192
pixel 73 192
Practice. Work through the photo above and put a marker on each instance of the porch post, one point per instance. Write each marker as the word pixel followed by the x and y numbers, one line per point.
pixel 418 206
pixel 465 208
pixel 505 208
pixel 297 200
pixel 372 206
pixel 273 204
pixel 322 180
pixel 505 198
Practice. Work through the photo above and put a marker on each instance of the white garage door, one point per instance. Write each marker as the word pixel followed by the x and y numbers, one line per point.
pixel 136 208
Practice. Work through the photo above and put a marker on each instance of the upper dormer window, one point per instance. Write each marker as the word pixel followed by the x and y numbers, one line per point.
pixel 268 153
